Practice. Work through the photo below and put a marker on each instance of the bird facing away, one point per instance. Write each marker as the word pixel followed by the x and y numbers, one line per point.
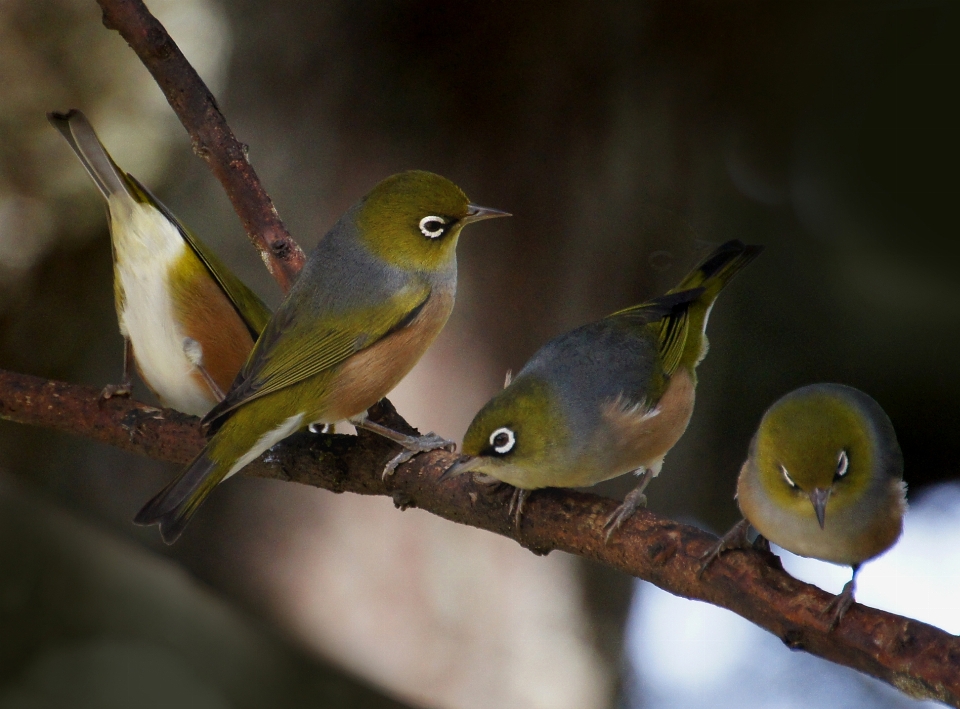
pixel 188 323
pixel 373 295
pixel 608 398
pixel 823 479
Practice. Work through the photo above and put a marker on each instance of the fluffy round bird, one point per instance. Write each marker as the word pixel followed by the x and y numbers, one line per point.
pixel 372 297
pixel 607 398
pixel 188 323
pixel 823 479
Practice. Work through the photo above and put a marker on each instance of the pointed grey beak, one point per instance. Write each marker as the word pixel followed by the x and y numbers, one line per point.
pixel 476 213
pixel 465 465
pixel 818 496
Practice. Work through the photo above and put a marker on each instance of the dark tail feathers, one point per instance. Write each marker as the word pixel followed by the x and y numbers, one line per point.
pixel 719 267
pixel 174 506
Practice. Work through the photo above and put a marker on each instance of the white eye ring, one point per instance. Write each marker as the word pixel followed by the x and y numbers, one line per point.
pixel 432 234
pixel 786 476
pixel 843 464
pixel 508 445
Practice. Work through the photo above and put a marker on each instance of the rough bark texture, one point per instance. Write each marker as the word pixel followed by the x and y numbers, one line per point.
pixel 212 138
pixel 918 659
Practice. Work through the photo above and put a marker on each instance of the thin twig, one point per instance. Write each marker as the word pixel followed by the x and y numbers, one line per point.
pixel 212 138
pixel 918 659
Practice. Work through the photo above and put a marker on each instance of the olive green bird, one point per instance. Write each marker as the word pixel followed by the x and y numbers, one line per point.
pixel 823 479
pixel 607 398
pixel 373 295
pixel 188 323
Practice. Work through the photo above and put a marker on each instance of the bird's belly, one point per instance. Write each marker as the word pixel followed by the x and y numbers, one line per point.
pixel 848 537
pixel 370 374
pixel 629 438
pixel 147 246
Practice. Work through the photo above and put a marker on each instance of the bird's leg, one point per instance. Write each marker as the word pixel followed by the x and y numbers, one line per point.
pixel 634 500
pixel 194 352
pixel 518 503
pixel 413 444
pixel 125 387
pixel 842 601
pixel 736 538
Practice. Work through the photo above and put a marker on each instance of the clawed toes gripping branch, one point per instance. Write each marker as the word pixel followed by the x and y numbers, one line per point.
pixel 918 659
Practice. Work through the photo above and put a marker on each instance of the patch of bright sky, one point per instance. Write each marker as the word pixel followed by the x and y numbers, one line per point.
pixel 687 654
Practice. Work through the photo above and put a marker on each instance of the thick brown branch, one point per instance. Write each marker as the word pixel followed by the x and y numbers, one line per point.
pixel 919 659
pixel 211 136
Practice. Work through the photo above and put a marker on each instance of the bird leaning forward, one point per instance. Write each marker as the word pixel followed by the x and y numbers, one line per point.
pixel 608 398
pixel 372 297
pixel 823 479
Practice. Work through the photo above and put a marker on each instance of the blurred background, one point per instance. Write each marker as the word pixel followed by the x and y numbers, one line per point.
pixel 627 138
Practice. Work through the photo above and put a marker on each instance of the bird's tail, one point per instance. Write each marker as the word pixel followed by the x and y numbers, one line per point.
pixel 78 132
pixel 174 506
pixel 718 269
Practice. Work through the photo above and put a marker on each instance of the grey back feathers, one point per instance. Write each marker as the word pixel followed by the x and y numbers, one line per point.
pixel 595 364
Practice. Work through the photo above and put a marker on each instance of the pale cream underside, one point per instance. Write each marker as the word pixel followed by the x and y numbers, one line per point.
pixel 848 537
pixel 267 441
pixel 146 246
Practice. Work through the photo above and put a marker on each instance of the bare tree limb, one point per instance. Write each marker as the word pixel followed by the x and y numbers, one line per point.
pixel 917 658
pixel 212 138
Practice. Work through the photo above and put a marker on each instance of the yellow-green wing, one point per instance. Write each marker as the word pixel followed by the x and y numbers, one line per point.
pixel 253 311
pixel 295 347
pixel 669 313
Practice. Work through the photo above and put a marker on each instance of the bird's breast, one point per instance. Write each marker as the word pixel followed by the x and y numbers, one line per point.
pixel 370 374
pixel 850 534
pixel 640 435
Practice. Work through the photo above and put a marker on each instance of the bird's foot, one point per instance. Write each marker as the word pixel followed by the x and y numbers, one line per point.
pixel 518 503
pixel 634 500
pixel 123 389
pixel 736 538
pixel 415 445
pixel 841 603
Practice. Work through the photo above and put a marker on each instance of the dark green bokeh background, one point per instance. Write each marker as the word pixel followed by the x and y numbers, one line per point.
pixel 626 138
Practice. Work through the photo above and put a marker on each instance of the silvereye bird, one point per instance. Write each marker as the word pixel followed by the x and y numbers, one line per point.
pixel 607 398
pixel 188 323
pixel 823 479
pixel 373 295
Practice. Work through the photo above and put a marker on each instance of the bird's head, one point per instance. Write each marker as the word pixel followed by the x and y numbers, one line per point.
pixel 413 219
pixel 822 447
pixel 522 428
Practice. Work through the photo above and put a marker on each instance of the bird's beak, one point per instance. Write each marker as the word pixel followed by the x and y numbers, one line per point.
pixel 476 213
pixel 465 465
pixel 818 496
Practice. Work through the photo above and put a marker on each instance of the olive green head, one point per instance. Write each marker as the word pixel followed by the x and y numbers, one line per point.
pixel 521 429
pixel 413 219
pixel 823 447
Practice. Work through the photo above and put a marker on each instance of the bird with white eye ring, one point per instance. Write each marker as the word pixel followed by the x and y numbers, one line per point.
pixel 823 479
pixel 611 397
pixel 503 440
pixel 433 227
pixel 375 292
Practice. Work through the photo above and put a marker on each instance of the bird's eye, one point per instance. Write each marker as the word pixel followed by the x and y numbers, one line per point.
pixel 433 227
pixel 786 476
pixel 843 465
pixel 503 440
